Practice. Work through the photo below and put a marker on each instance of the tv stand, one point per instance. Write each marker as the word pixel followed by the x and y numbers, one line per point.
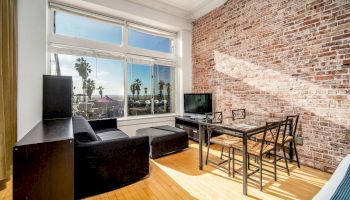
pixel 191 126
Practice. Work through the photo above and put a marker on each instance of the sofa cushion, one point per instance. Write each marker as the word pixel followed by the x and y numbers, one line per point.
pixel 82 130
pixel 111 135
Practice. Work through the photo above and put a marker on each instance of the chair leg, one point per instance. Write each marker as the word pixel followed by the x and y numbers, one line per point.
pixel 222 152
pixel 229 162
pixel 248 162
pixel 296 154
pixel 233 162
pixel 208 147
pixel 275 164
pixel 260 170
pixel 285 158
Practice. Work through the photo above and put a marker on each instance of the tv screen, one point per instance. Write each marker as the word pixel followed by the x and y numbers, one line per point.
pixel 198 103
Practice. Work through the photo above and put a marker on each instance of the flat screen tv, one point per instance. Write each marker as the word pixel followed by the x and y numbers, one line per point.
pixel 198 103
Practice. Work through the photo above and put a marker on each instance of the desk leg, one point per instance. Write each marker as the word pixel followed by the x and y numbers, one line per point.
pixel 290 143
pixel 200 138
pixel 245 154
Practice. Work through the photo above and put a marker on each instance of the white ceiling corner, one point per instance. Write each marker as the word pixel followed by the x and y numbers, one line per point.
pixel 188 9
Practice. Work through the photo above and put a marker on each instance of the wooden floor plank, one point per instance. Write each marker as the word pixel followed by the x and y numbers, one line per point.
pixel 177 176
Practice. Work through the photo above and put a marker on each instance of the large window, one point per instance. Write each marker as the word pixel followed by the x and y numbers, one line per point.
pixel 164 88
pixel 119 69
pixel 98 84
pixel 139 85
pixel 149 41
pixel 87 28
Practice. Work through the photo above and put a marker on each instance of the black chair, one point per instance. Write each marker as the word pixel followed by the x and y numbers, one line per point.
pixel 292 123
pixel 236 114
pixel 262 147
pixel 222 140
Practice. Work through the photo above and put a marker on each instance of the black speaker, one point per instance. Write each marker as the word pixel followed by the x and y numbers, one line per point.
pixel 57 96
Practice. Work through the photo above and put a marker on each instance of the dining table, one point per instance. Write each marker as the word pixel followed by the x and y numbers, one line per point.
pixel 244 128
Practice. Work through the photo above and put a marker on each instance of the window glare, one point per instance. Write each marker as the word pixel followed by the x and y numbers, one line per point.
pixel 148 41
pixel 87 28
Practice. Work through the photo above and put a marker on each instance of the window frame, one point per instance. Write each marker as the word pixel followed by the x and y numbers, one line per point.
pixel 80 46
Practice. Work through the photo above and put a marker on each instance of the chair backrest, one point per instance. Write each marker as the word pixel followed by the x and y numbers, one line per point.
pixel 214 117
pixel 292 123
pixel 272 129
pixel 238 114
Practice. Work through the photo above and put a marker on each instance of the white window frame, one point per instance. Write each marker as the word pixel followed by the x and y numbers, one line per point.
pixel 65 44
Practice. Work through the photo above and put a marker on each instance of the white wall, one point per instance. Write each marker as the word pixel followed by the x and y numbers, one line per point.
pixel 32 54
pixel 31 63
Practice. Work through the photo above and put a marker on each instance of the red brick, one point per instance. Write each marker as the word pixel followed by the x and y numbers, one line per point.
pixel 285 58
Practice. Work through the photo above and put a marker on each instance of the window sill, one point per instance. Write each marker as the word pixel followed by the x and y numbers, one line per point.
pixel 132 118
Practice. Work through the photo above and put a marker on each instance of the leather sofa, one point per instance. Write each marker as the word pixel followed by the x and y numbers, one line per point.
pixel 105 158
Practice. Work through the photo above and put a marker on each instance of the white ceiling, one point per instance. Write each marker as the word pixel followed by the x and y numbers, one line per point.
pixel 188 9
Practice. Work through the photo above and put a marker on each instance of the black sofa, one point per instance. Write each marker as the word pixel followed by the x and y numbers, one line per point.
pixel 106 158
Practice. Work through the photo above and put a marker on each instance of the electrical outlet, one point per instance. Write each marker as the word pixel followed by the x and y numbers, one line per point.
pixel 299 139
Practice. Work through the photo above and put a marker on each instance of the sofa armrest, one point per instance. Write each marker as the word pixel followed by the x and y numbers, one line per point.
pixel 100 124
pixel 105 165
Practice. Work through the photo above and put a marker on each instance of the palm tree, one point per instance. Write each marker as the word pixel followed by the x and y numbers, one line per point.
pixel 100 91
pixel 138 84
pixel 58 69
pixel 168 89
pixel 84 69
pixel 145 91
pixel 133 89
pixel 90 87
pixel 161 87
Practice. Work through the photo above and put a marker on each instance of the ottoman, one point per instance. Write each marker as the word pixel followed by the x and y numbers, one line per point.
pixel 164 140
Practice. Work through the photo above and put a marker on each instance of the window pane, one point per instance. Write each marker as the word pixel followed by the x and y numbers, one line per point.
pixel 87 28
pixel 139 89
pixel 164 86
pixel 98 84
pixel 148 41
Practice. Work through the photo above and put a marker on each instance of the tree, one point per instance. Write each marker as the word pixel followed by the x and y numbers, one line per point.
pixel 84 69
pixel 100 91
pixel 133 90
pixel 145 91
pixel 168 89
pixel 58 68
pixel 90 87
pixel 138 84
pixel 161 87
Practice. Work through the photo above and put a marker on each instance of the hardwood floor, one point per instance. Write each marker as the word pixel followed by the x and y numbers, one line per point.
pixel 177 176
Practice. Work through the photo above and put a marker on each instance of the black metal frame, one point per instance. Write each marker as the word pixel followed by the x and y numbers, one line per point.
pixel 214 117
pixel 238 114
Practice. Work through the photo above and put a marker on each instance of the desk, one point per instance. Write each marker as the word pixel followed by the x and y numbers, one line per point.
pixel 244 128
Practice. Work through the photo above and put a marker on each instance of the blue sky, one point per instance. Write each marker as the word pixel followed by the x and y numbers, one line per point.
pixel 109 73
pixel 87 28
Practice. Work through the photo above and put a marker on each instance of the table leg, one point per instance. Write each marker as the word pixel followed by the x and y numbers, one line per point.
pixel 290 143
pixel 245 154
pixel 200 138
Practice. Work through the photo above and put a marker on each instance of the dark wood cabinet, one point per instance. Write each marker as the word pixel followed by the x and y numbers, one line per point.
pixel 43 162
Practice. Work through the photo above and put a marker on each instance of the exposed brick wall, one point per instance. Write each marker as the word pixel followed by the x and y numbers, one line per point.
pixel 278 57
